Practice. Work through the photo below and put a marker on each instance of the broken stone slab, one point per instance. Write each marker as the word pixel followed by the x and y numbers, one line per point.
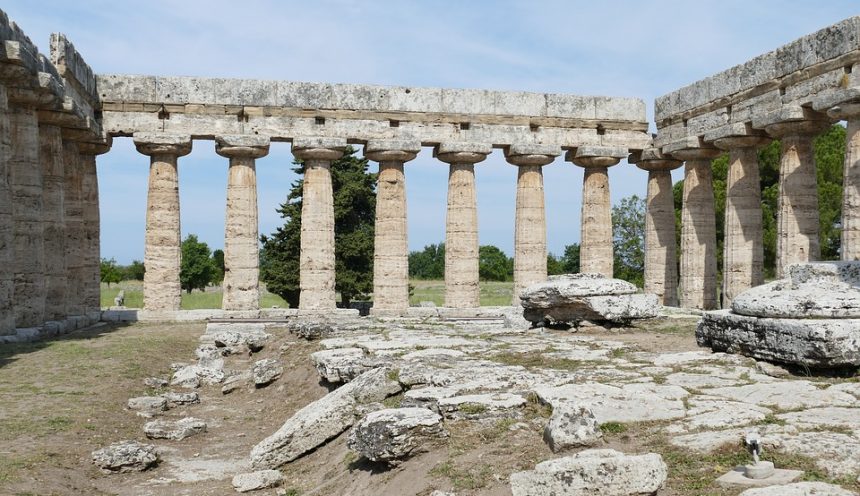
pixel 174 399
pixel 191 376
pixel 800 489
pixel 175 430
pixel 810 343
pixel 478 406
pixel 323 419
pixel 788 395
pixel 266 371
pixel 261 479
pixel 712 413
pixel 571 426
pixel 627 403
pixel 147 406
pixel 125 456
pixel 832 416
pixel 312 330
pixel 235 381
pixel 344 364
pixel 707 441
pixel 602 472
pixel 155 382
pixel 835 453
pixel 393 434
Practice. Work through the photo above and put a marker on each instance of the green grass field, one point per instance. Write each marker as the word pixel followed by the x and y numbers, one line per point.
pixel 492 293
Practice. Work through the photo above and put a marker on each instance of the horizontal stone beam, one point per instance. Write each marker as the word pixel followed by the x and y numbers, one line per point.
pixel 72 67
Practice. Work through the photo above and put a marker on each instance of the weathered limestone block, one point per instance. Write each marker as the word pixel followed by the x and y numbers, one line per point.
pixel 596 235
pixel 241 231
pixel 317 262
pixel 797 220
pixel 391 252
pixel 743 248
pixel 147 406
pixel 343 364
pixel 698 272
pixel 322 420
pixel 575 297
pixel 661 262
pixel 266 371
pixel 53 220
pixel 571 426
pixel 7 245
pixel 628 403
pixel 175 430
pixel 393 434
pixel 530 222
pixel 261 479
pixel 799 489
pixel 461 223
pixel 25 182
pixel 161 288
pixel 602 472
pixel 75 236
pixel 125 456
pixel 850 247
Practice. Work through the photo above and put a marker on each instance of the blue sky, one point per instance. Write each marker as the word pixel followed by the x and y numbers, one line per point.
pixel 617 48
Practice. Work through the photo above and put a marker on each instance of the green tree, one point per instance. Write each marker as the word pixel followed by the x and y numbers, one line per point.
pixel 218 262
pixel 354 210
pixel 428 263
pixel 110 271
pixel 628 234
pixel 196 269
pixel 135 271
pixel 554 265
pixel 570 259
pixel 494 265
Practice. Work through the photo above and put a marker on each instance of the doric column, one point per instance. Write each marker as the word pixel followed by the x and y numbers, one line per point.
pixel 661 258
pixel 461 223
pixel 317 261
pixel 595 252
pixel 241 229
pixel 850 112
pixel 530 221
pixel 161 288
pixel 75 242
pixel 743 247
pixel 698 277
pixel 390 252
pixel 91 219
pixel 797 218
pixel 25 181
pixel 7 245
pixel 53 220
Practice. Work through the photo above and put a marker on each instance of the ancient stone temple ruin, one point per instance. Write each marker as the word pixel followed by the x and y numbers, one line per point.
pixel 57 115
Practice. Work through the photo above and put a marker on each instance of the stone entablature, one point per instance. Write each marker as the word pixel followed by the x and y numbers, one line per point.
pixel 285 110
pixel 794 82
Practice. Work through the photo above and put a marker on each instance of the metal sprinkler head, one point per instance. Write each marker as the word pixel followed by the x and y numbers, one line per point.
pixel 758 469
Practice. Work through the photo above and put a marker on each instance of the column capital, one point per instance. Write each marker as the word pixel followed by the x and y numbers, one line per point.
pixel 318 148
pixel 95 147
pixel 163 144
pixel 653 160
pixel 457 152
pixel 242 145
pixel 797 128
pixel 523 154
pixel 596 156
pixel 734 142
pixel 391 150
pixel 845 111
pixel 792 120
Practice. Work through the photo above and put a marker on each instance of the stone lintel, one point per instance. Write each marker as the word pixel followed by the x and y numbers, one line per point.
pixel 318 148
pixel 522 154
pixel 835 97
pixel 242 145
pixel 163 143
pixel 692 147
pixel 459 152
pixel 789 113
pixel 391 150
pixel 72 67
pixel 731 129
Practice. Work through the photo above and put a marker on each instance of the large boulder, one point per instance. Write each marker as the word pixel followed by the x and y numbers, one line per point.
pixel 809 319
pixel 392 434
pixel 323 419
pixel 603 472
pixel 125 456
pixel 572 298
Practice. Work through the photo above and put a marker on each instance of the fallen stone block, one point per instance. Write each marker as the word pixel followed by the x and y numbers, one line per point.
pixel 174 430
pixel 311 330
pixel 266 372
pixel 571 426
pixel 125 456
pixel 393 434
pixel 147 406
pixel 262 479
pixel 174 399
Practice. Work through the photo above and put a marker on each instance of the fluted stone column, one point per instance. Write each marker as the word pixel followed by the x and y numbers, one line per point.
pixel 317 261
pixel 7 245
pixel 161 287
pixel 461 223
pixel 850 180
pixel 390 252
pixel 53 220
pixel 530 221
pixel 698 272
pixel 91 218
pixel 743 246
pixel 75 241
pixel 661 258
pixel 797 219
pixel 241 227
pixel 25 181
pixel 596 253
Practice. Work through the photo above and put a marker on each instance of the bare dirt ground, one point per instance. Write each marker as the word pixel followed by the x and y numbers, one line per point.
pixel 63 399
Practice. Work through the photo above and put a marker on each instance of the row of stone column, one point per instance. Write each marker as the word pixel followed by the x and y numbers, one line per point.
pixel 797 217
pixel 391 272
pixel 49 218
